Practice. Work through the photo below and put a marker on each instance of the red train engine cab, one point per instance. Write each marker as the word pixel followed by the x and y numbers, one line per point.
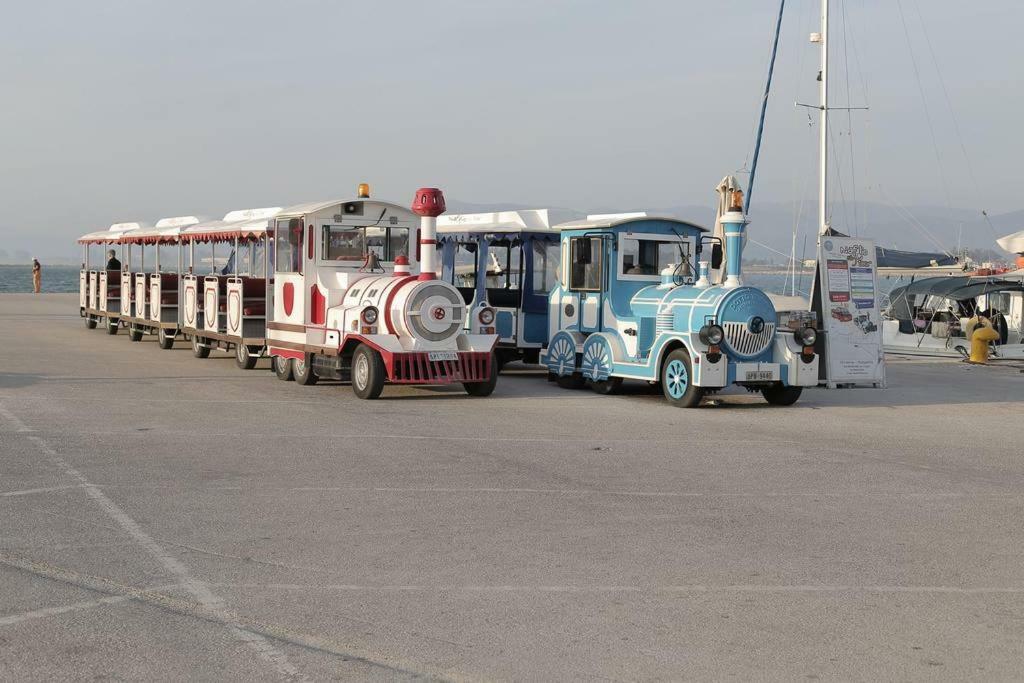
pixel 352 301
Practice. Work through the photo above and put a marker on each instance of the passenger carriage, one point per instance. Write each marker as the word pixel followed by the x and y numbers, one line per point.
pixel 99 290
pixel 347 305
pixel 151 269
pixel 634 302
pixel 224 298
pixel 506 261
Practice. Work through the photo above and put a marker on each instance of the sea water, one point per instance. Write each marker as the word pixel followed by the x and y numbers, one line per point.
pixel 55 278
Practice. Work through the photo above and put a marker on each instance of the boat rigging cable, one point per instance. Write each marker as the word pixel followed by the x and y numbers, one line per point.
pixel 952 116
pixel 764 108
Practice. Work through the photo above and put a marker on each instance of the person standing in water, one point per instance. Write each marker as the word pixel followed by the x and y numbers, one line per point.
pixel 37 275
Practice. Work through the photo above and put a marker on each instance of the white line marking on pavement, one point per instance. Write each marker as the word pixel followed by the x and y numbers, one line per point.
pixel 29 492
pixel 691 588
pixel 321 436
pixel 200 590
pixel 54 611
pixel 19 426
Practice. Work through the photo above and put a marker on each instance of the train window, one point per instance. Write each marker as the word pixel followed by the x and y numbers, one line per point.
pixel 644 259
pixel 503 267
pixel 288 245
pixel 586 255
pixel 464 272
pixel 344 243
pixel 398 242
pixel 545 265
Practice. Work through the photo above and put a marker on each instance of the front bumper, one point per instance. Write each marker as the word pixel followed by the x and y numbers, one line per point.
pixel 416 367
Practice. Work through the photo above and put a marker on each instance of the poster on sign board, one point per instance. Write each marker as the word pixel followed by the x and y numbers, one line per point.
pixel 846 301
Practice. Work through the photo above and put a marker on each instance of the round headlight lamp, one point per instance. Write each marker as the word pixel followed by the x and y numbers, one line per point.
pixel 712 334
pixel 807 336
pixel 485 316
pixel 369 315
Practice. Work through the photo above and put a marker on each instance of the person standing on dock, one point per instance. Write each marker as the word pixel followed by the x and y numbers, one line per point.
pixel 37 275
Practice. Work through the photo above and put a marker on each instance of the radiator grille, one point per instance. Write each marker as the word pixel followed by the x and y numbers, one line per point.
pixel 416 368
pixel 740 339
pixel 664 322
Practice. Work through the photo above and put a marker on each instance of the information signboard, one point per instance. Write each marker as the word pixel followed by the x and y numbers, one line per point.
pixel 846 301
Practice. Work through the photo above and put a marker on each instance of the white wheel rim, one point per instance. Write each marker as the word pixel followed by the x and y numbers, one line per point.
pixel 362 375
pixel 300 366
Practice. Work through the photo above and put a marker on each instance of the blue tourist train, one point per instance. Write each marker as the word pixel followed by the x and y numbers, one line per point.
pixel 504 264
pixel 634 301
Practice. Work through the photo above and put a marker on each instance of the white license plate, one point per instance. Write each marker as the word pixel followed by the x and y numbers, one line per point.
pixel 758 375
pixel 442 355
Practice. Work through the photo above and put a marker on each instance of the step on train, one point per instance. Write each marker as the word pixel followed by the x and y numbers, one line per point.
pixel 331 290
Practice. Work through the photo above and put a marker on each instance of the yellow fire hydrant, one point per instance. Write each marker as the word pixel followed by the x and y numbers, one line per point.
pixel 980 332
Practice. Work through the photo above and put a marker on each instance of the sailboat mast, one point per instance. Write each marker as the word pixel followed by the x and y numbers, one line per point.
pixel 823 152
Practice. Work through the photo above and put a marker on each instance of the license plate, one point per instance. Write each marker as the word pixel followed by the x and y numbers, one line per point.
pixel 442 355
pixel 758 375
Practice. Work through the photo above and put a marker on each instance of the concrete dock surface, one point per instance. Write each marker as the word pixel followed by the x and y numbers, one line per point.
pixel 164 517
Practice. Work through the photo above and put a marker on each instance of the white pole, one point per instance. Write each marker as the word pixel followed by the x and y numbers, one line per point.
pixel 823 172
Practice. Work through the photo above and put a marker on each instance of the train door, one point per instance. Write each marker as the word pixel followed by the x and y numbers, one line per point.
pixel 541 257
pixel 587 262
pixel 503 280
pixel 289 283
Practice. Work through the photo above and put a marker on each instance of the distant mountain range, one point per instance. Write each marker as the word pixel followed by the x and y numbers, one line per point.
pixel 917 228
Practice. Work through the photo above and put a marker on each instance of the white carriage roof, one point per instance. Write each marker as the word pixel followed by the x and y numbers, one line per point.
pixel 241 224
pixel 111 235
pixel 176 222
pixel 610 220
pixel 313 207
pixel 496 221
pixel 165 230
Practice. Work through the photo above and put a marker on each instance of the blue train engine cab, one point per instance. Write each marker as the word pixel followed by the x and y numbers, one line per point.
pixel 634 301
pixel 504 264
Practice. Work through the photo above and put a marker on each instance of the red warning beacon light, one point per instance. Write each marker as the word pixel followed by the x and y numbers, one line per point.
pixel 429 201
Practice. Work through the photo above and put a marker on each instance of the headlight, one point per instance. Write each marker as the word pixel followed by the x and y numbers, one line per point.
pixel 485 316
pixel 369 315
pixel 711 334
pixel 806 336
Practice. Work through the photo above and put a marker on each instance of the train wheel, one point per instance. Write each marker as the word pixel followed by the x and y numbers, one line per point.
pixel 485 388
pixel 199 349
pixel 165 340
pixel 135 333
pixel 244 357
pixel 779 395
pixel 283 368
pixel 111 325
pixel 90 322
pixel 606 387
pixel 676 380
pixel 367 373
pixel 303 370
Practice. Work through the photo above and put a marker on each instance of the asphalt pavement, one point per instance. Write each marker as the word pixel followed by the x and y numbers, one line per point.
pixel 164 518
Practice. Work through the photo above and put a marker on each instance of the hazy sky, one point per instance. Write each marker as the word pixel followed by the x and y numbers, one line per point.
pixel 138 109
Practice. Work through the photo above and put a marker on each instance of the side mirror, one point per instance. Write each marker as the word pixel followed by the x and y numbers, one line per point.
pixel 716 255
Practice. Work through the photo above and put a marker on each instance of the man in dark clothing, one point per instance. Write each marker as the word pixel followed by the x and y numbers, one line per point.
pixel 112 262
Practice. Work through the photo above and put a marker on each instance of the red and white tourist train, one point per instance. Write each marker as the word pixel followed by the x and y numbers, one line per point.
pixel 327 290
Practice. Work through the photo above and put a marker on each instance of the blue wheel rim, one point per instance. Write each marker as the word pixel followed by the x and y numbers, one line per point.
pixel 676 378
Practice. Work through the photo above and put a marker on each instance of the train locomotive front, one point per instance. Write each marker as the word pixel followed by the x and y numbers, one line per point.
pixel 339 313
pixel 628 307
